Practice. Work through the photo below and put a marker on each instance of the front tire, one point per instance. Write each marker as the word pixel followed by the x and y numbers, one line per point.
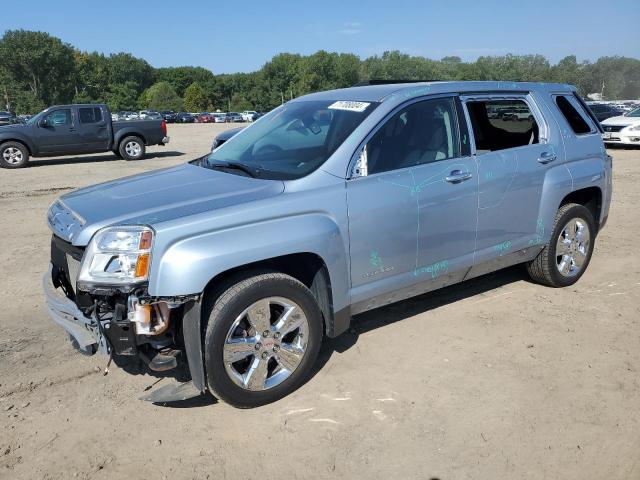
pixel 13 155
pixel 566 256
pixel 262 338
pixel 132 148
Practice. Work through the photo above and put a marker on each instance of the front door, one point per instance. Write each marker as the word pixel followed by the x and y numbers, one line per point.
pixel 57 133
pixel 412 217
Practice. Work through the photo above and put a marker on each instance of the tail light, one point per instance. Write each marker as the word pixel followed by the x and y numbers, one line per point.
pixel 163 127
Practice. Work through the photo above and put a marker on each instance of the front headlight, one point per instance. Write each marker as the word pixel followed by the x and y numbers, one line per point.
pixel 118 255
pixel 635 128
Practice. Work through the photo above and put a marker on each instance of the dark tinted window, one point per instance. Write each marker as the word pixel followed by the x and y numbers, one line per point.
pixel 574 119
pixel 501 124
pixel 423 132
pixel 90 114
pixel 59 117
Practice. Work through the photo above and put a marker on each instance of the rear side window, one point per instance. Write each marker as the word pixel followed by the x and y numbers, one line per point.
pixel 90 114
pixel 574 119
pixel 501 124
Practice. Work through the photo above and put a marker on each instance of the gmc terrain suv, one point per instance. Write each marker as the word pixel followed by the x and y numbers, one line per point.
pixel 241 261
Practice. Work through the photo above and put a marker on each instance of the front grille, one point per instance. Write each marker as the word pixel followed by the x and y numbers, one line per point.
pixel 612 128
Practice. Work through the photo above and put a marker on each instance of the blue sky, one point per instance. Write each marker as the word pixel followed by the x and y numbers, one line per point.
pixel 230 36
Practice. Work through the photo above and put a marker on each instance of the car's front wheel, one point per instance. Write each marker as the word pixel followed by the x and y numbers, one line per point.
pixel 564 259
pixel 263 337
pixel 13 155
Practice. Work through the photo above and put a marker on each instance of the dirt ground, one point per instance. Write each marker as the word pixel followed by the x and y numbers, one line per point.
pixel 496 379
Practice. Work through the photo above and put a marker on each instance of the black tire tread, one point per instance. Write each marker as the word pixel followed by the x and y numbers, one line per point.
pixel 123 142
pixel 539 268
pixel 221 301
pixel 25 154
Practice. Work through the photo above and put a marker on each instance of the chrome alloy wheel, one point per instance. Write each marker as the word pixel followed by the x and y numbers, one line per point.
pixel 133 149
pixel 572 247
pixel 266 343
pixel 12 155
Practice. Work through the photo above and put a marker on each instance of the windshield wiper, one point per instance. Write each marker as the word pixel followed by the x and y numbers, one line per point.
pixel 252 172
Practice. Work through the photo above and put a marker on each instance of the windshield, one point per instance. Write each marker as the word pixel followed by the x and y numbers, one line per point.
pixel 634 113
pixel 293 140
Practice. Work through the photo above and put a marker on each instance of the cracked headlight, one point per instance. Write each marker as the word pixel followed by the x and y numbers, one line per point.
pixel 118 255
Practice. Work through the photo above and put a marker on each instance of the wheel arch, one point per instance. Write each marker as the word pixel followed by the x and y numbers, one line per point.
pixel 589 197
pixel 307 267
pixel 120 135
pixel 18 140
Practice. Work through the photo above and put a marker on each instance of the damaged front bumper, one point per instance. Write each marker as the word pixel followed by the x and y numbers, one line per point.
pixel 65 313
pixel 91 334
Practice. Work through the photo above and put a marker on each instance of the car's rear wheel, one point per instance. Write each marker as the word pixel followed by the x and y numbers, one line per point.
pixel 263 336
pixel 566 256
pixel 132 148
pixel 13 155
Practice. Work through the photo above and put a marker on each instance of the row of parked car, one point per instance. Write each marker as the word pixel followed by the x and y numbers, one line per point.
pixel 186 117
pixel 602 111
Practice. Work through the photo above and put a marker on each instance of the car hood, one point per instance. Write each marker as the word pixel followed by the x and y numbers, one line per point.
pixel 621 120
pixel 155 197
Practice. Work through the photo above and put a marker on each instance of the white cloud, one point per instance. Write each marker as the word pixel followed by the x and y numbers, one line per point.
pixel 351 28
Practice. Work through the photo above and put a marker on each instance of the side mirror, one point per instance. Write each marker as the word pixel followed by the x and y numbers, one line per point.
pixel 43 123
pixel 361 168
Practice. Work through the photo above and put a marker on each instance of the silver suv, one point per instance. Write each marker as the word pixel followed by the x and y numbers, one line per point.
pixel 240 262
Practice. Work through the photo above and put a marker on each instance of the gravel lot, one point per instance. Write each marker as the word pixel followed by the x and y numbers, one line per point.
pixel 498 378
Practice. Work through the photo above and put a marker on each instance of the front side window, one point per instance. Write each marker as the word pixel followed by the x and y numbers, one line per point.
pixel 499 124
pixel 423 132
pixel 571 115
pixel 292 140
pixel 59 117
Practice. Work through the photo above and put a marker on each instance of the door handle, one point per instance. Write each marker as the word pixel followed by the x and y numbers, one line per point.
pixel 457 176
pixel 547 157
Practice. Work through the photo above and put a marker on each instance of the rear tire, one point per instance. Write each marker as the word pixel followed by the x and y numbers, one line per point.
pixel 278 350
pixel 13 155
pixel 132 148
pixel 566 256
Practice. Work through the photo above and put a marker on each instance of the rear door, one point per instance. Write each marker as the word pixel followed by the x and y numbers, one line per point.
pixel 513 155
pixel 93 129
pixel 57 132
pixel 412 217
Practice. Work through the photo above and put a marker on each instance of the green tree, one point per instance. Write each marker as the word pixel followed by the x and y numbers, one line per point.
pixel 38 63
pixel 162 96
pixel 122 97
pixel 195 99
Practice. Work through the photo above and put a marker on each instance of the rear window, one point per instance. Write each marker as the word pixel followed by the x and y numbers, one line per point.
pixel 90 114
pixel 499 124
pixel 577 123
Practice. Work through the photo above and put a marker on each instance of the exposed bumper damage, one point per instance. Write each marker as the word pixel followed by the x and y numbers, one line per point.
pixel 126 322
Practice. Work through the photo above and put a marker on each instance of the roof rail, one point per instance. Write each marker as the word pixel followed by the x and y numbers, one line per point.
pixel 365 83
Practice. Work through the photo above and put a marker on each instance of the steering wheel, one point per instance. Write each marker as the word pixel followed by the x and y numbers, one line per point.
pixel 267 149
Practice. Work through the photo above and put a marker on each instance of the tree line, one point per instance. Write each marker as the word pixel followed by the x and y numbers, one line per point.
pixel 38 70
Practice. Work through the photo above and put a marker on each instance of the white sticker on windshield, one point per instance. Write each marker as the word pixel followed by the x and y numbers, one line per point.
pixel 350 106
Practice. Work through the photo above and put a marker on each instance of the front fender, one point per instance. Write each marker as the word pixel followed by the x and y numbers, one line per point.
pixel 13 136
pixel 186 266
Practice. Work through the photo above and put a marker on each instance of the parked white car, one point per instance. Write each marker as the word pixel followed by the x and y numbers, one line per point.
pixel 219 118
pixel 622 130
pixel 249 115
